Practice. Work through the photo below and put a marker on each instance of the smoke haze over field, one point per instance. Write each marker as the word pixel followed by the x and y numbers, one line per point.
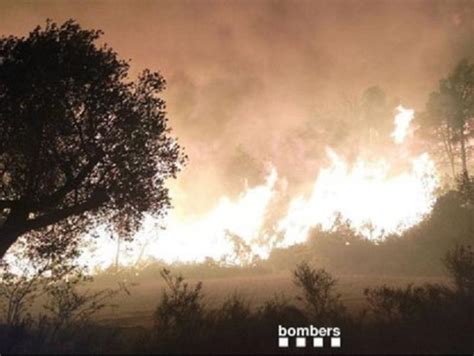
pixel 249 79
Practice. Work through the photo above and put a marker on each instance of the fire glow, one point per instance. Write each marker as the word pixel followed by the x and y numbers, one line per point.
pixel 375 201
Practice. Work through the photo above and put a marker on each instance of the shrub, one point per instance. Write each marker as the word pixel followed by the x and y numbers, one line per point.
pixel 179 315
pixel 318 296
pixel 460 265
pixel 408 304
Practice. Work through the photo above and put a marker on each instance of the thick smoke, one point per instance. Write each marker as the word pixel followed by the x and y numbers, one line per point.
pixel 252 82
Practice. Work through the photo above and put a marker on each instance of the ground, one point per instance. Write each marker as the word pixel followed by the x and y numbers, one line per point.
pixel 137 308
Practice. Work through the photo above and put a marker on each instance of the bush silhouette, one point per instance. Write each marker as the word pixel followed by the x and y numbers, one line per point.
pixel 318 296
pixel 460 265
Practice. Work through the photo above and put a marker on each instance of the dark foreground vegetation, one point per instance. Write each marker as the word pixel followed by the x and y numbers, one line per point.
pixel 417 319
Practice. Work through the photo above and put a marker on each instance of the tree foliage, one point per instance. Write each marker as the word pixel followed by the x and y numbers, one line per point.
pixel 448 118
pixel 80 142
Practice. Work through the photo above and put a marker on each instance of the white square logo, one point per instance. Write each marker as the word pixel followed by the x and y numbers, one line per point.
pixel 283 342
pixel 335 342
pixel 318 342
pixel 300 342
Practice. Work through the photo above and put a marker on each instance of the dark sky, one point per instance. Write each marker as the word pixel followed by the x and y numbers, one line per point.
pixel 246 75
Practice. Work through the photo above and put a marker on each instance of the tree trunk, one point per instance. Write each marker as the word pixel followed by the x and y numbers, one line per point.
pixel 7 238
pixel 463 153
pixel 453 167
pixel 117 254
pixel 448 148
pixel 12 229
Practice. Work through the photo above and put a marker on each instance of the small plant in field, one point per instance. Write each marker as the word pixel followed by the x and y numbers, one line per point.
pixel 17 294
pixel 67 306
pixel 180 306
pixel 318 292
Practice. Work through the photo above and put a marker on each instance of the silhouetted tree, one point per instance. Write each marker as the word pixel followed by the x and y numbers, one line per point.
pixel 80 142
pixel 449 113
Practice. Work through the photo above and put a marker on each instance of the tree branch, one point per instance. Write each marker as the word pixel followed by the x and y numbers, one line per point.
pixel 94 202
pixel 70 185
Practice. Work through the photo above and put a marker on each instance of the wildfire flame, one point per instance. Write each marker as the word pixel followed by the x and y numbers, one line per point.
pixel 196 239
pixel 373 202
pixel 374 199
pixel 402 124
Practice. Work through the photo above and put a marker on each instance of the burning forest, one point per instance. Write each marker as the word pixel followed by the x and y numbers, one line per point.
pixel 253 177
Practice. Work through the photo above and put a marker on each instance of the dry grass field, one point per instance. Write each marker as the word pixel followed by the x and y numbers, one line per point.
pixel 137 308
